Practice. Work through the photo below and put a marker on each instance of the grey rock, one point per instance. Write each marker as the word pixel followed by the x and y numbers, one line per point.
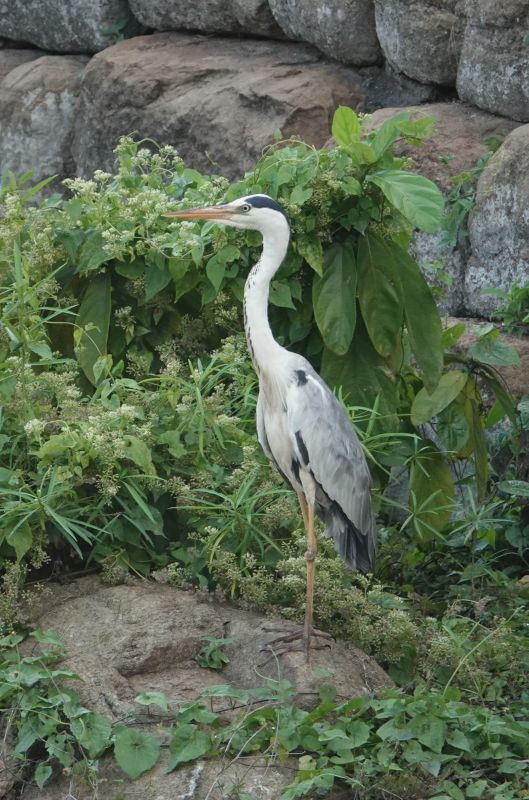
pixel 66 26
pixel 499 225
pixel 128 639
pixel 342 29
pixel 494 65
pixel 38 105
pixel 351 671
pixel 386 87
pixel 444 269
pixel 421 38
pixel 214 779
pixel 190 91
pixel 208 16
pixel 9 59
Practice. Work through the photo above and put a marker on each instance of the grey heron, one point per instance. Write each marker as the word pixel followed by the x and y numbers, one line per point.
pixel 301 426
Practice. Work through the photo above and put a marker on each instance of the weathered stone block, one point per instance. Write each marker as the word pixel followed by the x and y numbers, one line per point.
pixel 190 91
pixel 499 225
pixel 421 38
pixel 208 16
pixel 344 30
pixel 66 26
pixel 9 59
pixel 38 105
pixel 494 65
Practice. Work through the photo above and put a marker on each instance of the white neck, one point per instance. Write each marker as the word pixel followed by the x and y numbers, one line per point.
pixel 261 343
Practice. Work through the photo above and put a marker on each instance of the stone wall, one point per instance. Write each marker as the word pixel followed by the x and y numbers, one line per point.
pixel 216 78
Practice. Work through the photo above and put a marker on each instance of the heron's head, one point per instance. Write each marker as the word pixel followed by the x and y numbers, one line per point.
pixel 255 212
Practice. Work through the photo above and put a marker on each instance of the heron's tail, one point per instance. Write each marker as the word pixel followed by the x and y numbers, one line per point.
pixel 355 547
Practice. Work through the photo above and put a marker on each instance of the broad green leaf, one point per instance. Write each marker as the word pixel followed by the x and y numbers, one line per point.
pixel 432 491
pixel 456 738
pixel 425 406
pixel 20 539
pixel 379 293
pixel 334 298
pixel 139 452
pixel 216 266
pixel 42 774
pixel 280 295
pixel 93 320
pixel 429 730
pixel 185 276
pixel 346 125
pixel 515 488
pixel 417 198
pixel 452 334
pixel 135 752
pixel 453 429
pixel 131 269
pixel 93 732
pixel 490 349
pixel 216 270
pixel 503 398
pixel 388 133
pixel 42 349
pixel 59 746
pixel 363 377
pixel 153 699
pixel 358 733
pixel 312 251
pixel 401 126
pixel 156 279
pixel 477 788
pixel 91 253
pixel 173 441
pixel 187 744
pixel 422 319
pixel 300 195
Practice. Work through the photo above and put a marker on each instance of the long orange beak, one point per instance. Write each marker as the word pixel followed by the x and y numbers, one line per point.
pixel 219 213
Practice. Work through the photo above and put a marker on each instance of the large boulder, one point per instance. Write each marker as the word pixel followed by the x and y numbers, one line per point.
pixel 67 26
pixel 499 225
pixel 38 106
pixel 9 59
pixel 458 140
pixel 143 637
pixel 494 65
pixel 341 30
pixel 208 16
pixel 190 91
pixel 457 144
pixel 421 38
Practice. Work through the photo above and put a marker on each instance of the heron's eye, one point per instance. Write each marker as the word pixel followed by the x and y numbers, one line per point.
pixel 246 207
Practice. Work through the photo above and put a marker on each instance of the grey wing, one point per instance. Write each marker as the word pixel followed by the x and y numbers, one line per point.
pixel 263 438
pixel 329 448
pixel 261 432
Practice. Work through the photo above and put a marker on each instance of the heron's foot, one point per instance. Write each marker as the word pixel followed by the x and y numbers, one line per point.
pixel 294 639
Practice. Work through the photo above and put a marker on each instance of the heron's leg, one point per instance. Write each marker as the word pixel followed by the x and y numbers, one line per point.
pixel 312 545
pixel 284 644
pixel 304 509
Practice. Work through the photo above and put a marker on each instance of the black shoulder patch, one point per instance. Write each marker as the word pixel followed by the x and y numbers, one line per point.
pixel 304 453
pixel 301 376
pixel 263 201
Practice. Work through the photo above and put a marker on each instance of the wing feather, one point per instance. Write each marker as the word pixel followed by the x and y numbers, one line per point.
pixel 338 464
